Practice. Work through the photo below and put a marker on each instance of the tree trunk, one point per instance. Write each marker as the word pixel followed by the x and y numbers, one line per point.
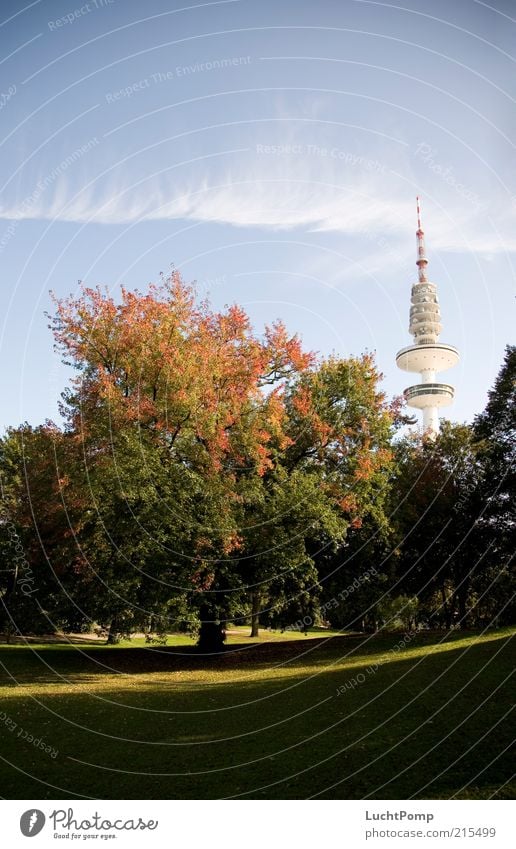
pixel 255 613
pixel 462 599
pixel 446 609
pixel 114 635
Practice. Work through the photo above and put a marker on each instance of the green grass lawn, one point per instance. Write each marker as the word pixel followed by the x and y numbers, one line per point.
pixel 236 635
pixel 283 717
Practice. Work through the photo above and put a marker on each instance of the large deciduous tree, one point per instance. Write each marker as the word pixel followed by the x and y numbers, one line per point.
pixel 201 466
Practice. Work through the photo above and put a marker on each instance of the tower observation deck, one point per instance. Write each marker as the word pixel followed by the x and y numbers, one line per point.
pixel 427 356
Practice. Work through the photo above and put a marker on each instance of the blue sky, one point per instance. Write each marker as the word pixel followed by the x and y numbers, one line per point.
pixel 271 151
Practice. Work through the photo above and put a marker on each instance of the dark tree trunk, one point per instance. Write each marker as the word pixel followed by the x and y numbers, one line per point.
pixel 446 609
pixel 462 598
pixel 114 634
pixel 255 613
pixel 211 633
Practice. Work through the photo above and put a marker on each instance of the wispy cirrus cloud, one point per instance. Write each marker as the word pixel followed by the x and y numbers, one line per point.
pixel 273 193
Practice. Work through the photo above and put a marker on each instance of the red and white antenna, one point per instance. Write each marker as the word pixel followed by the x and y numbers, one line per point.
pixel 421 261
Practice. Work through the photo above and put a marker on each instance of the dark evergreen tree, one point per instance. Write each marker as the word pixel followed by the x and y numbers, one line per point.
pixel 495 432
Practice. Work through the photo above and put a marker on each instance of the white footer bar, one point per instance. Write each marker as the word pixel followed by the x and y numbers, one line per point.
pixel 258 825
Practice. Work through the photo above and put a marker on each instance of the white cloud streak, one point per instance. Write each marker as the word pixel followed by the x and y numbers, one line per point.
pixel 280 194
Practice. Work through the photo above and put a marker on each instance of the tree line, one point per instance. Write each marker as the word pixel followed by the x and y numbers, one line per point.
pixel 204 474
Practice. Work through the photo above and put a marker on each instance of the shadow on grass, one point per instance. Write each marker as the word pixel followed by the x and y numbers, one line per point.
pixel 40 665
pixel 428 725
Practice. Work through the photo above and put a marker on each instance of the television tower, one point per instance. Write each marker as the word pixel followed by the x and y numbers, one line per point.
pixel 427 356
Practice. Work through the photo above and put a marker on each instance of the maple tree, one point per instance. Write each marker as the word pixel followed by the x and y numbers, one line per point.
pixel 200 465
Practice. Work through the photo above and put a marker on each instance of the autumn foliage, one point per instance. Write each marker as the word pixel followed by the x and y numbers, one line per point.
pixel 196 457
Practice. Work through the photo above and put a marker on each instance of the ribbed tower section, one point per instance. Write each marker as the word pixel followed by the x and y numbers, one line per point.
pixel 427 356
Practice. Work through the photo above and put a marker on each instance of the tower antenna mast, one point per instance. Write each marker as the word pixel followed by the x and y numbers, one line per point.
pixel 421 261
